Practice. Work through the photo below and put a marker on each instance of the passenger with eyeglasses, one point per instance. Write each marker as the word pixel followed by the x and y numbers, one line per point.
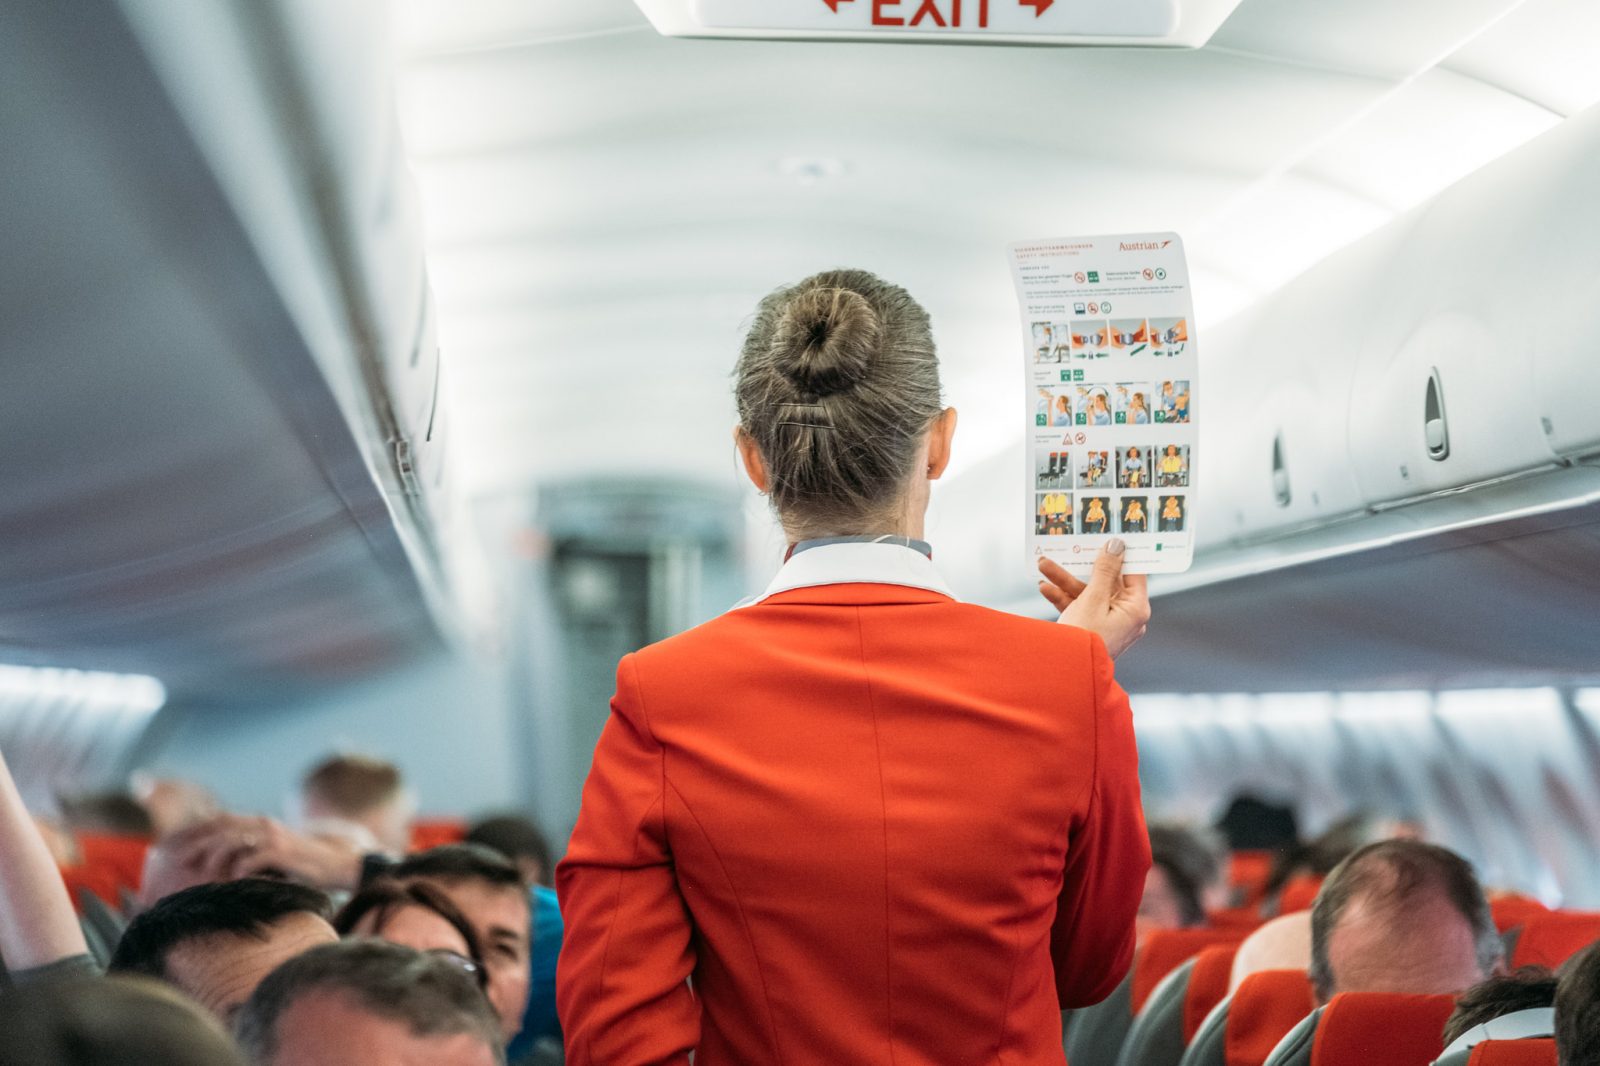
pixel 418 916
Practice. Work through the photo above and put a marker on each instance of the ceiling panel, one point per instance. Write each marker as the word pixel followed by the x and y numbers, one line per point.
pixel 1544 51
pixel 1430 133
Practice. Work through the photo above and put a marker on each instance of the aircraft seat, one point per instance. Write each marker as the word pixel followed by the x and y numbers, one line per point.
pixel 1511 910
pixel 1243 1029
pixel 1533 1051
pixel 1299 894
pixel 1174 1011
pixel 1552 938
pixel 1094 1035
pixel 1248 872
pixel 1360 1028
pixel 431 832
pixel 122 857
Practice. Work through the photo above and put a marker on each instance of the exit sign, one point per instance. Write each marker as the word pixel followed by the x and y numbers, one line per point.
pixel 1150 22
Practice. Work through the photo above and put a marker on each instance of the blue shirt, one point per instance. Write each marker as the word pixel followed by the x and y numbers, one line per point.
pixel 540 1019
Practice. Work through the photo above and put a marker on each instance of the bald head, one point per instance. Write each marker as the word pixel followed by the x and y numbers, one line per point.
pixel 1281 944
pixel 1405 917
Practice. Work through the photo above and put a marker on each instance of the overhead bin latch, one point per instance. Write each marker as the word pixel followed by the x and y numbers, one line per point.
pixel 405 465
pixel 1280 472
pixel 1434 428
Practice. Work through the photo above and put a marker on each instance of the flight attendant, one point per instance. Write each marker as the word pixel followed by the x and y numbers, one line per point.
pixel 856 820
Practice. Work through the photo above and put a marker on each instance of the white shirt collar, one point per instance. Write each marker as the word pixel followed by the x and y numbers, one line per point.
pixel 855 562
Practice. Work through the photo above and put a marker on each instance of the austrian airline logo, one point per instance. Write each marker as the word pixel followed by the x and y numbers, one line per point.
pixel 1142 246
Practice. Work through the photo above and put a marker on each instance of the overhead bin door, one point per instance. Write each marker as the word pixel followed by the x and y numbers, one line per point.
pixel 1291 374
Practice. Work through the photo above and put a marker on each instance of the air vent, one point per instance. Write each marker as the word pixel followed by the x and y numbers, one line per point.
pixel 1280 472
pixel 1434 428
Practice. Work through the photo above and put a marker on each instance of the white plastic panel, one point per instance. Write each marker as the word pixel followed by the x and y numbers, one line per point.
pixel 1290 374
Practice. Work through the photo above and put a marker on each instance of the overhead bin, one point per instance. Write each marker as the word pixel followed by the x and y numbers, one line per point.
pixel 1457 345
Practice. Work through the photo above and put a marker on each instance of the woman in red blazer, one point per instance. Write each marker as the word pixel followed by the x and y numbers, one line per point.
pixel 856 821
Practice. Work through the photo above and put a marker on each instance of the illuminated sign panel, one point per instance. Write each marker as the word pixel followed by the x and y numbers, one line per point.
pixel 958 19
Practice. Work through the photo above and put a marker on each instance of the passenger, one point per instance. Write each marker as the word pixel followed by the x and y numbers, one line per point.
pixel 1401 916
pixel 416 916
pixel 109 1022
pixel 1063 416
pixel 359 796
pixel 1578 1009
pixel 489 892
pixel 1529 988
pixel 217 941
pixel 112 813
pixel 1185 873
pixel 368 1003
pixel 1133 469
pixel 520 840
pixel 174 804
pixel 231 847
pixel 1138 410
pixel 1284 943
pixel 870 823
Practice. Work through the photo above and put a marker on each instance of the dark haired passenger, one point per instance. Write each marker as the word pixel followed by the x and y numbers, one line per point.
pixel 368 1003
pixel 1185 869
pixel 109 1022
pixel 1577 1015
pixel 415 915
pixel 1507 1006
pixel 216 942
pixel 488 890
pixel 524 843
pixel 870 824
pixel 1402 916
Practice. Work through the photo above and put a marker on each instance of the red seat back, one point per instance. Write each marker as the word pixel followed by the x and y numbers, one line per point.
pixel 431 832
pixel 1534 1052
pixel 119 857
pixel 1363 1028
pixel 1266 1005
pixel 1248 872
pixel 1511 910
pixel 1299 894
pixel 1165 950
pixel 1552 938
pixel 1208 986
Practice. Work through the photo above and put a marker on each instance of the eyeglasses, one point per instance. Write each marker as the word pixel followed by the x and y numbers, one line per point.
pixel 462 963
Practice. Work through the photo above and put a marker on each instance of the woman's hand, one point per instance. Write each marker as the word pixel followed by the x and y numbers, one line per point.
pixel 1115 607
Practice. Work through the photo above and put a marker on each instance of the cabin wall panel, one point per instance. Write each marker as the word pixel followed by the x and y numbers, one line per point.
pixel 445 721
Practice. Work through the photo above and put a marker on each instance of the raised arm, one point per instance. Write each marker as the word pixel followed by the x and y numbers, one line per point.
pixel 37 923
pixel 621 985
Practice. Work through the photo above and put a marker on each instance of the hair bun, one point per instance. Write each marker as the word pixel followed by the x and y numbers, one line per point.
pixel 825 340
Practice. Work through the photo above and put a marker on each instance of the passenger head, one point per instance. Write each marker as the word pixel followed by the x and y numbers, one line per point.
pixel 522 841
pixel 490 894
pixel 361 791
pixel 1401 916
pixel 113 813
pixel 116 1021
pixel 1578 1009
pixel 1284 943
pixel 840 417
pixel 1502 994
pixel 368 1003
pixel 217 941
pixel 1184 870
pixel 416 915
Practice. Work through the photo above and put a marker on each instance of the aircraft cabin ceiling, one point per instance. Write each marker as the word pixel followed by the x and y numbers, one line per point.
pixel 604 206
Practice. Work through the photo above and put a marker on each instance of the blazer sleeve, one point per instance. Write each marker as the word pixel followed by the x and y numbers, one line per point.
pixel 1108 856
pixel 621 981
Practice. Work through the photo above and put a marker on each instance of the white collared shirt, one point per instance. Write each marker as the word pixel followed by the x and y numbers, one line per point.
pixel 855 562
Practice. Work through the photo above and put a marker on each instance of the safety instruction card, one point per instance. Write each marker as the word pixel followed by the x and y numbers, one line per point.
pixel 1109 350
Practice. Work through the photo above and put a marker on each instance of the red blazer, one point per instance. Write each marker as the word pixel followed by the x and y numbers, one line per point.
pixel 852 824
